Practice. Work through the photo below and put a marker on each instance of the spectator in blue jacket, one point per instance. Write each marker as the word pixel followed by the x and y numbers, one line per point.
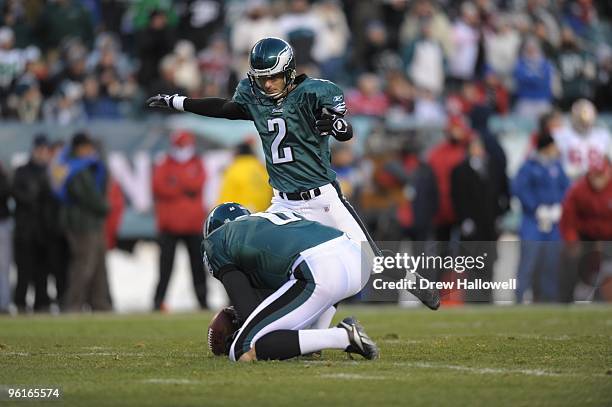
pixel 79 179
pixel 540 186
pixel 533 75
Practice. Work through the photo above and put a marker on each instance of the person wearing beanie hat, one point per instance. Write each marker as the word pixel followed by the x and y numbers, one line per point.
pixel 443 157
pixel 540 185
pixel 586 227
pixel 80 183
pixel 182 145
pixel 178 184
pixel 40 140
pixel 32 194
pixel 543 141
pixel 80 140
pixel 479 200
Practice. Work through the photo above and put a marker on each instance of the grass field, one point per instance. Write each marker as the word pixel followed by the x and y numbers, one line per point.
pixel 485 356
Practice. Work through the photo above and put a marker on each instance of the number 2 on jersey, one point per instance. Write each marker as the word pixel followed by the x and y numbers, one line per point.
pixel 279 156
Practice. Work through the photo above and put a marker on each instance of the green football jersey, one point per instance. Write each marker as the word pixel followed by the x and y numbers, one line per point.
pixel 263 245
pixel 297 157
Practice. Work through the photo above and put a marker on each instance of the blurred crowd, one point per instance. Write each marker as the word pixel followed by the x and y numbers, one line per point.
pixel 67 61
pixel 459 191
pixel 423 62
pixel 67 209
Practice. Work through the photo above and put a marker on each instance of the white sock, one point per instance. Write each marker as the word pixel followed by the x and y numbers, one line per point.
pixel 325 319
pixel 314 340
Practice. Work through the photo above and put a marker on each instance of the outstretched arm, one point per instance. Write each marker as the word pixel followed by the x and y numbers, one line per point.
pixel 210 106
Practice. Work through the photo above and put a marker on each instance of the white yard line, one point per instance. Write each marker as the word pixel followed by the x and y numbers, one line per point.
pixel 27 354
pixel 489 370
pixel 539 337
pixel 126 354
pixel 14 354
pixel 104 353
pixel 460 368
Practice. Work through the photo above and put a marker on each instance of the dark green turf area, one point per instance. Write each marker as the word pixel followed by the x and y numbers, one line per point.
pixel 481 356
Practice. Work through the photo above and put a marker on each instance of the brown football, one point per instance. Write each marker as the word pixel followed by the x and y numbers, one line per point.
pixel 220 328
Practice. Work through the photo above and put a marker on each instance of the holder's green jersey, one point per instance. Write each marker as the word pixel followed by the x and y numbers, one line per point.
pixel 297 157
pixel 263 245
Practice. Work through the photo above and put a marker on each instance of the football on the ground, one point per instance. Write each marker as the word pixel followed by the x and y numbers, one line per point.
pixel 221 328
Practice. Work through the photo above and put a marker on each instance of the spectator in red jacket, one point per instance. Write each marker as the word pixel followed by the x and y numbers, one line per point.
pixel 587 209
pixel 443 158
pixel 586 226
pixel 178 181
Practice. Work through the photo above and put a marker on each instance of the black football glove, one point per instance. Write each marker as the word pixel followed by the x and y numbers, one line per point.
pixel 163 101
pixel 332 124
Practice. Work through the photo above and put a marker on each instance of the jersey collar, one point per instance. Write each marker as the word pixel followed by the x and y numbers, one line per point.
pixel 296 82
pixel 300 78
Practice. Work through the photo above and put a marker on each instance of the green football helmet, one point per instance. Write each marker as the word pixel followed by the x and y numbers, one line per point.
pixel 222 214
pixel 269 57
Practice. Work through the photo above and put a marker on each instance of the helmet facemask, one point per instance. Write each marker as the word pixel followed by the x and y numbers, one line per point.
pixel 258 83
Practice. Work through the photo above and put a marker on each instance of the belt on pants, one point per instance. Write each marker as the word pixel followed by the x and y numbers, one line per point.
pixel 301 195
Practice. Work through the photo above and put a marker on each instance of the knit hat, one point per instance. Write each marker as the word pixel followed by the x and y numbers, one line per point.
pixel 79 139
pixel 40 140
pixel 182 138
pixel 544 140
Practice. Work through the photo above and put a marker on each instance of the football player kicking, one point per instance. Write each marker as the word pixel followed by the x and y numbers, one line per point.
pixel 310 266
pixel 294 116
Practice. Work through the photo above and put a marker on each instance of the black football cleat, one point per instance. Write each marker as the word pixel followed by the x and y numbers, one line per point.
pixel 360 342
pixel 428 296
